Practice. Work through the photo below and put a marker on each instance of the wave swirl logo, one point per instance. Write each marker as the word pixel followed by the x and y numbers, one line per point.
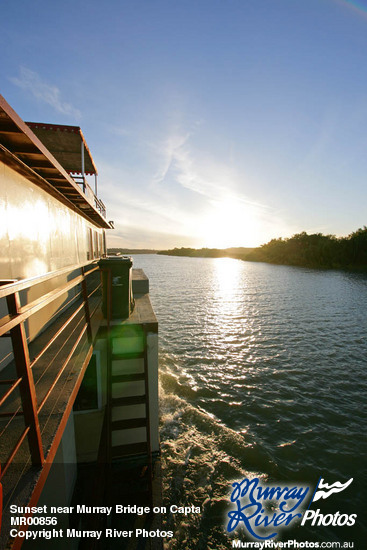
pixel 323 490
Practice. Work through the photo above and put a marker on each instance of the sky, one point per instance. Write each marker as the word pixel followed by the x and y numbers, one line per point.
pixel 212 123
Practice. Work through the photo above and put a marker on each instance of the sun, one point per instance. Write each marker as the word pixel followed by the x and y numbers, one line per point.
pixel 229 223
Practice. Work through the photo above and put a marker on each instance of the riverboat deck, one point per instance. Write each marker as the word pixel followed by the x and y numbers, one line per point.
pixel 57 366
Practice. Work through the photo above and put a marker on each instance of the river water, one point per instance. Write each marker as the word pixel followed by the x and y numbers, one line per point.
pixel 262 374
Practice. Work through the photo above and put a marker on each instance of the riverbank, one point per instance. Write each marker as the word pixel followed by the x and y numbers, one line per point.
pixel 302 250
pixel 239 253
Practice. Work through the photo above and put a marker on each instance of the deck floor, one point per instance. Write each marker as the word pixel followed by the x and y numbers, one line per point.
pixel 22 478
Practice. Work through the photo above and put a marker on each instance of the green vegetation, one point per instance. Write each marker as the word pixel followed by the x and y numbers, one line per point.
pixel 239 253
pixel 317 251
pixel 129 251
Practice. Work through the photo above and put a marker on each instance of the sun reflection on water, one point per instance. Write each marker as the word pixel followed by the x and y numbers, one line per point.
pixel 227 278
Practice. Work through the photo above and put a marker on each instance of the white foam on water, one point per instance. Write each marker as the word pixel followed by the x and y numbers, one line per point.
pixel 200 459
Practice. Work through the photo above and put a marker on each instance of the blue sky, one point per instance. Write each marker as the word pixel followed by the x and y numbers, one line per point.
pixel 212 122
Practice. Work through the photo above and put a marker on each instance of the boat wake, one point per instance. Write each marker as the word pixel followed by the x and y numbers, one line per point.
pixel 201 458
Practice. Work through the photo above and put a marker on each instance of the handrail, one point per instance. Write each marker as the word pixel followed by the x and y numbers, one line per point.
pixel 13 323
pixel 100 206
pixel 23 313
pixel 10 391
pixel 17 286
pixel 89 194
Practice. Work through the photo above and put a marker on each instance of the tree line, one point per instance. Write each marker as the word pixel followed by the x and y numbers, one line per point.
pixel 236 252
pixel 316 250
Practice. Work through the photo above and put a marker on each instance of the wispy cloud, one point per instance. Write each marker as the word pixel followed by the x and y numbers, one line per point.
pixel 129 198
pixel 206 176
pixel 226 198
pixel 169 151
pixel 185 196
pixel 43 91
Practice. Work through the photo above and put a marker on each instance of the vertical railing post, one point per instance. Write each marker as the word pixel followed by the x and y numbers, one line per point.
pixel 109 363
pixel 83 167
pixel 27 387
pixel 86 306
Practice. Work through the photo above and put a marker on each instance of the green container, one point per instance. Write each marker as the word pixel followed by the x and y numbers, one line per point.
pixel 116 271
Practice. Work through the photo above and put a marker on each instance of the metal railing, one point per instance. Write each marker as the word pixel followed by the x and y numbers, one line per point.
pixel 71 322
pixel 99 205
pixel 90 194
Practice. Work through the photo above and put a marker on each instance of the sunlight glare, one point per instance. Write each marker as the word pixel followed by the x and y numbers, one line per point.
pixel 230 223
pixel 227 276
